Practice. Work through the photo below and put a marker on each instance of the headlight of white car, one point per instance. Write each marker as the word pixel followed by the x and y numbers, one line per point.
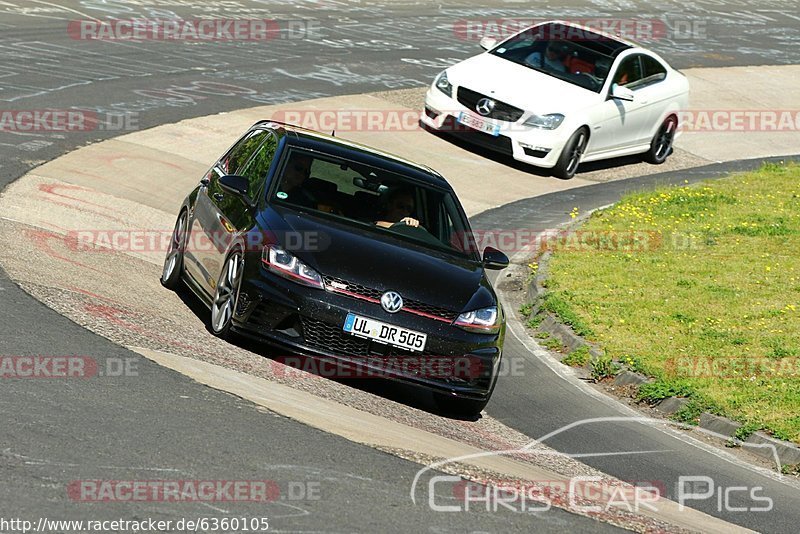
pixel 545 122
pixel 443 84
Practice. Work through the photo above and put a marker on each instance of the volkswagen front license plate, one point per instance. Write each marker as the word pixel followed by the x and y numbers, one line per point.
pixel 385 333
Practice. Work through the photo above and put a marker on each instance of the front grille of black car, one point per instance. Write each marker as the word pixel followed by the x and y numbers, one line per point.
pixel 409 305
pixel 502 111
pixel 333 340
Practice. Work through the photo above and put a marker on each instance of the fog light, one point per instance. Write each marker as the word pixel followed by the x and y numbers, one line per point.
pixel 534 151
pixel 432 113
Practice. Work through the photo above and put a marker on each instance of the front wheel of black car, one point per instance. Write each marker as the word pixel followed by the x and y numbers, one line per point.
pixel 226 295
pixel 173 263
pixel 458 407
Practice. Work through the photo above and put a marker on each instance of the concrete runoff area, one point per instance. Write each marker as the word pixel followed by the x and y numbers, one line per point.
pixel 137 181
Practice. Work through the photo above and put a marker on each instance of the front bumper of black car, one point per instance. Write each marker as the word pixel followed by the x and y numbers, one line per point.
pixel 309 321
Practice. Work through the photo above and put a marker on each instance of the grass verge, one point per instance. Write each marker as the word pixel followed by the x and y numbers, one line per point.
pixel 698 287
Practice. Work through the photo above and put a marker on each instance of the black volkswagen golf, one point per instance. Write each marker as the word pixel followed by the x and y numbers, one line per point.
pixel 345 254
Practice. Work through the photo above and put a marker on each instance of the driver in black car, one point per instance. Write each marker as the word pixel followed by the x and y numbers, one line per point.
pixel 398 208
pixel 297 172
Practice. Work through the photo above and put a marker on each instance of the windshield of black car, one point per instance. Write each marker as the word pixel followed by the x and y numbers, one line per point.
pixel 571 54
pixel 377 199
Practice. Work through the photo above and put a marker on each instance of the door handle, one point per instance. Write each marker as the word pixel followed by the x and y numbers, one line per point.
pixel 218 197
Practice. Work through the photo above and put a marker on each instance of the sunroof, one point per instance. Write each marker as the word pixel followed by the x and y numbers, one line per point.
pixel 591 40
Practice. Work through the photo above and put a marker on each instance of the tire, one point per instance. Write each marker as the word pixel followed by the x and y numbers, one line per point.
pixel 661 145
pixel 226 295
pixel 571 155
pixel 456 406
pixel 173 262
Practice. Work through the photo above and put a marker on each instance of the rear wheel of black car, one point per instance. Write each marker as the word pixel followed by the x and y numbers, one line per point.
pixel 173 263
pixel 661 145
pixel 571 155
pixel 459 407
pixel 226 295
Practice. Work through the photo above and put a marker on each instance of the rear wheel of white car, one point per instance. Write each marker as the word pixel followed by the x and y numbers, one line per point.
pixel 661 145
pixel 571 155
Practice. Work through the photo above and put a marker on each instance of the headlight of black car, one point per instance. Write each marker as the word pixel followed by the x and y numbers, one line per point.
pixel 288 266
pixel 483 321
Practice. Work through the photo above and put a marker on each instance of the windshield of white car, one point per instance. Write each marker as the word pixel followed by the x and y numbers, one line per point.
pixel 574 55
pixel 374 199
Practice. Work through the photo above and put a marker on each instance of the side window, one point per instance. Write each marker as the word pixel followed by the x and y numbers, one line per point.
pixel 257 168
pixel 629 71
pixel 232 162
pixel 451 230
pixel 654 71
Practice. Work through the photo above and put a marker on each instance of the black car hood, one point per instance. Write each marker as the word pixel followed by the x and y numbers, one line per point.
pixel 381 261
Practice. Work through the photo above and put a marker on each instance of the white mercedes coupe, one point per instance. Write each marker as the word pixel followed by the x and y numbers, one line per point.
pixel 557 94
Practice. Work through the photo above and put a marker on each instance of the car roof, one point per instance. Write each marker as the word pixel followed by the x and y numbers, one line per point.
pixel 343 148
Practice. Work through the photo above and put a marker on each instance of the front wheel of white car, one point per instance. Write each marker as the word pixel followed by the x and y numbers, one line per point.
pixel 661 145
pixel 571 155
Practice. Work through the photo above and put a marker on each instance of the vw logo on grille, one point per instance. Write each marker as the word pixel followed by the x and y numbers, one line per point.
pixel 484 106
pixel 391 301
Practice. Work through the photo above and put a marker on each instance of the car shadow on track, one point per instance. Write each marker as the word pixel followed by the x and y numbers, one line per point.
pixel 405 394
pixel 592 166
pixel 392 390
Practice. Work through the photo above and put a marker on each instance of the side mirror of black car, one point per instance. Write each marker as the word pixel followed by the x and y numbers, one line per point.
pixel 238 185
pixel 494 259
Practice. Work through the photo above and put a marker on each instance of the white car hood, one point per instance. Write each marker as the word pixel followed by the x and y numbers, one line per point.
pixel 520 86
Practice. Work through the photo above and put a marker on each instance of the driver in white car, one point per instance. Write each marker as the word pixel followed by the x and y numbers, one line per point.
pixel 553 58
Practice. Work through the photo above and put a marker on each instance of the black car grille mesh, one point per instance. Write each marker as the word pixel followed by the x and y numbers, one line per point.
pixel 331 339
pixel 502 111
pixel 409 305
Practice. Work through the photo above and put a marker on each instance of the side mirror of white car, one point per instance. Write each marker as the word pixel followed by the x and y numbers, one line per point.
pixel 621 93
pixel 487 43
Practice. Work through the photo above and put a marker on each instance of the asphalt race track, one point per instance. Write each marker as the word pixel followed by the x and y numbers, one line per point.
pixel 160 424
